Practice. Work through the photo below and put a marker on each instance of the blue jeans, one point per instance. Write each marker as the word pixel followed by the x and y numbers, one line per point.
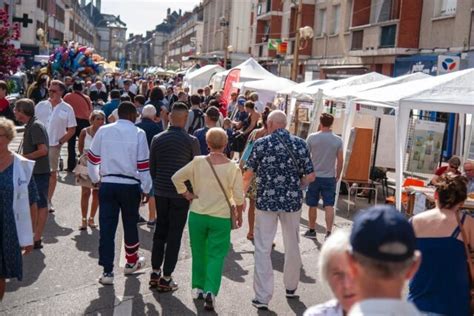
pixel 113 198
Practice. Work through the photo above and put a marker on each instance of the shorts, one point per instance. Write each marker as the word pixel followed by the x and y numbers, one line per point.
pixel 42 184
pixel 54 153
pixel 321 187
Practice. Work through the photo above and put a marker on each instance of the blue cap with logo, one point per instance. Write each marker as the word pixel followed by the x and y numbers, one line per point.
pixel 241 101
pixel 383 233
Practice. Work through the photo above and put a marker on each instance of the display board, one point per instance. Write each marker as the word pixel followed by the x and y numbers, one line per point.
pixel 426 146
pixel 358 155
pixel 385 157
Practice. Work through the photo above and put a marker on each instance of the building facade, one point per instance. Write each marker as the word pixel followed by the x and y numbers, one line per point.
pixel 226 30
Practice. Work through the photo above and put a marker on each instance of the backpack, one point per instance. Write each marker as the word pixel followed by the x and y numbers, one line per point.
pixel 198 121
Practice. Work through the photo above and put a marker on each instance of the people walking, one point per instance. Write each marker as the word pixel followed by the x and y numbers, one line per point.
pixel 210 214
pixel 96 120
pixel 210 119
pixel 170 151
pixel 118 158
pixel 82 106
pixel 35 146
pixel 16 234
pixel 282 165
pixel 326 154
pixel 60 122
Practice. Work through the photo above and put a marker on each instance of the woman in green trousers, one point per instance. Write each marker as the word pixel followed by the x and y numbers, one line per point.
pixel 210 214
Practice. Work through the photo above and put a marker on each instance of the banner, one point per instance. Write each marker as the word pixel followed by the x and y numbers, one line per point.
pixel 448 64
pixel 282 48
pixel 273 43
pixel 426 147
pixel 233 76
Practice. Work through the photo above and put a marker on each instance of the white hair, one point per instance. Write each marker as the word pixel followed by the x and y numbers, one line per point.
pixel 149 111
pixel 278 117
pixel 336 244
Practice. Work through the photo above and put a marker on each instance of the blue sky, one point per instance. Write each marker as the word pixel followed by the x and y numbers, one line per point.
pixel 143 15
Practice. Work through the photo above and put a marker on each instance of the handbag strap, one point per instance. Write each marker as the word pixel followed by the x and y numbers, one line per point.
pixel 466 247
pixel 208 159
pixel 289 152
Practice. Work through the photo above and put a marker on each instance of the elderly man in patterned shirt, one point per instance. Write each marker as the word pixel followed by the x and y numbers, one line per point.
pixel 282 165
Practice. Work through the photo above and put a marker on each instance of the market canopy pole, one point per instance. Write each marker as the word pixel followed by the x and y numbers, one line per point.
pixel 296 55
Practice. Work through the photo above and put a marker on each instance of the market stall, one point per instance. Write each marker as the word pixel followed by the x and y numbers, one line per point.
pixel 266 88
pixel 200 78
pixel 452 91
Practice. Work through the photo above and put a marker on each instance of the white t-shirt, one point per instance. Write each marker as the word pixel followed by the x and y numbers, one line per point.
pixel 329 308
pixel 56 120
pixel 383 307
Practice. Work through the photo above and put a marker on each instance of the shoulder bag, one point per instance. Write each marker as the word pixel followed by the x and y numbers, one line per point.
pixel 295 162
pixel 470 260
pixel 233 218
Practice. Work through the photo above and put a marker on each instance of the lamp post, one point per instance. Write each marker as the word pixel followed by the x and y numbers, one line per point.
pixel 294 69
pixel 224 23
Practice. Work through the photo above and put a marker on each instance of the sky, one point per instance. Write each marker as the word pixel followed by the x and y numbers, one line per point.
pixel 144 15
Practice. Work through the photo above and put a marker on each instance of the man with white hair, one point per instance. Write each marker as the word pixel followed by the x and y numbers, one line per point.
pixel 152 126
pixel 282 165
pixel 469 174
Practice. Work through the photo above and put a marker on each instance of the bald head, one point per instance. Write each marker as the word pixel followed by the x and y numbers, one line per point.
pixel 276 120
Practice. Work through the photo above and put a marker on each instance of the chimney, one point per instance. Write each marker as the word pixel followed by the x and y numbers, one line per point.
pixel 97 4
pixel 168 12
pixel 179 12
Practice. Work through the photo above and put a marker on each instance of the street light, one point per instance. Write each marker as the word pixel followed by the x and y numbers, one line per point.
pixel 224 23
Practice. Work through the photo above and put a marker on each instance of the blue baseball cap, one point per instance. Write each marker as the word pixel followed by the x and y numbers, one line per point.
pixel 383 233
pixel 241 101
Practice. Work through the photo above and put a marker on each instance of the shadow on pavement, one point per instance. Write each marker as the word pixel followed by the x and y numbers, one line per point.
pixel 88 242
pixel 33 266
pixel 262 312
pixel 67 178
pixel 171 305
pixel 53 230
pixel 104 304
pixel 296 305
pixel 278 260
pixel 131 290
pixel 232 270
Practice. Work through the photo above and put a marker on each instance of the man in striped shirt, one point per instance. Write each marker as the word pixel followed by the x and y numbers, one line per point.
pixel 118 158
pixel 170 151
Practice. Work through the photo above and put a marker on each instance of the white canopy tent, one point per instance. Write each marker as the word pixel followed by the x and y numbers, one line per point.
pixel 300 87
pixel 266 88
pixel 249 70
pixel 457 87
pixel 200 78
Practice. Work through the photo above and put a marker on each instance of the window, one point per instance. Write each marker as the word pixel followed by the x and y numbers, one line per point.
pixel 348 17
pixel 445 7
pixel 321 22
pixel 357 40
pixel 269 5
pixel 381 11
pixel 387 36
pixel 259 9
pixel 336 17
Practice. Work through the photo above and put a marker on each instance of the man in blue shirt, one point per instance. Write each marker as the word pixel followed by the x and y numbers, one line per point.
pixel 211 118
pixel 113 104
pixel 282 165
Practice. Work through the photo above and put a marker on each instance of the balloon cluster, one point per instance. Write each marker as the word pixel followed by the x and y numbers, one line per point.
pixel 74 60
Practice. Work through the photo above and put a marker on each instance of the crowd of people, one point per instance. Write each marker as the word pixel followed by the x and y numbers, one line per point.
pixel 195 159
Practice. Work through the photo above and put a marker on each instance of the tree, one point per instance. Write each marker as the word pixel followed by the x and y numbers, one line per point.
pixel 9 60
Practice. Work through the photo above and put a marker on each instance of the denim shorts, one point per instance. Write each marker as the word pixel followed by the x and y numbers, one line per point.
pixel 42 184
pixel 324 188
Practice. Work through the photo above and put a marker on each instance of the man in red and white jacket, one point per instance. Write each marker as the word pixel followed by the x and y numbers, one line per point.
pixel 118 158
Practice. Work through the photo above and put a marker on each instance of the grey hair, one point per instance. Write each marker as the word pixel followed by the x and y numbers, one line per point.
pixel 336 244
pixel 382 269
pixel 278 117
pixel 149 111
pixel 8 127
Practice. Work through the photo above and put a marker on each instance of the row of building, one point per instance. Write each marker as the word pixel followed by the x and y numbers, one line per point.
pixel 347 37
pixel 46 24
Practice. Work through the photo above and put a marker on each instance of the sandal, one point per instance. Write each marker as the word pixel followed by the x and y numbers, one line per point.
pixel 84 224
pixel 91 223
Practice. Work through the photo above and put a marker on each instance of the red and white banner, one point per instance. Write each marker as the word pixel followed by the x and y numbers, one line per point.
pixel 233 76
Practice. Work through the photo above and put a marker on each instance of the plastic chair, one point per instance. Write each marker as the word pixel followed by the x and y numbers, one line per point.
pixel 409 182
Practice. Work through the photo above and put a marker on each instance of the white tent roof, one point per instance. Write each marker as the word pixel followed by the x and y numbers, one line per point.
pixel 201 77
pixel 266 88
pixel 451 85
pixel 300 87
pixel 311 92
pixel 341 93
pixel 249 70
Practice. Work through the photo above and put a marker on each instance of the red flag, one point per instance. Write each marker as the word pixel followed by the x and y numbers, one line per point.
pixel 233 76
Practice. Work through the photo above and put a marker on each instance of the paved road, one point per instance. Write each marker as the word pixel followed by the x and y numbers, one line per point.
pixel 61 279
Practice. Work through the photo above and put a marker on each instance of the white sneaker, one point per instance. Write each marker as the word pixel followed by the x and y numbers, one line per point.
pixel 106 279
pixel 130 268
pixel 198 294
